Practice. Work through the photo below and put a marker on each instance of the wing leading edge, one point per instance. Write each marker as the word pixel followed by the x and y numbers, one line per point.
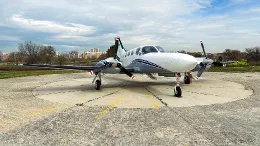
pixel 87 68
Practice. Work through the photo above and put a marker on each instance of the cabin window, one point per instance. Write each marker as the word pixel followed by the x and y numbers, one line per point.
pixel 149 49
pixel 132 52
pixel 128 54
pixel 160 49
pixel 137 51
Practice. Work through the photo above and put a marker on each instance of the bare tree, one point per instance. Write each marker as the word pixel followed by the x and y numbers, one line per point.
pixel 111 51
pixel 73 56
pixel 30 51
pixel 195 54
pixel 47 54
pixel 15 57
pixel 182 51
pixel 232 54
pixel 1 56
pixel 62 59
pixel 253 54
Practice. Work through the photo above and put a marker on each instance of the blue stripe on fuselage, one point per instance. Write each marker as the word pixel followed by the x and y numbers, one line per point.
pixel 148 63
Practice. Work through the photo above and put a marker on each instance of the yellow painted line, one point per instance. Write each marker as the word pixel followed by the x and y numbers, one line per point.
pixel 152 101
pixel 3 100
pixel 104 112
pixel 4 122
pixel 42 111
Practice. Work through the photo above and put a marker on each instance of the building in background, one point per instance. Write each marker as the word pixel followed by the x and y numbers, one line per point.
pixel 3 56
pixel 95 53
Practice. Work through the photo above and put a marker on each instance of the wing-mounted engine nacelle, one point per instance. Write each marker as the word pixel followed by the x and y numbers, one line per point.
pixel 103 63
pixel 112 70
pixel 109 65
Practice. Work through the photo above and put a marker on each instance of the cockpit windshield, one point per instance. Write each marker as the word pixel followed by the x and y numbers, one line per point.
pixel 160 48
pixel 149 49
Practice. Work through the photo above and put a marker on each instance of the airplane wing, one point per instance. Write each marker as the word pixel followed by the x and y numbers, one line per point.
pixel 87 68
pixel 218 63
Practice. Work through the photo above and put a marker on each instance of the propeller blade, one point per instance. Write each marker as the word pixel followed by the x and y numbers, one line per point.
pixel 125 71
pixel 202 69
pixel 201 43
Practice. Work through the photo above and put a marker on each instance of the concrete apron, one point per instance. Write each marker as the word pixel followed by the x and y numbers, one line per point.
pixel 122 92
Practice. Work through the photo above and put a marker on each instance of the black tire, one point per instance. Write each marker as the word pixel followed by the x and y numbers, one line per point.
pixel 98 85
pixel 186 80
pixel 177 91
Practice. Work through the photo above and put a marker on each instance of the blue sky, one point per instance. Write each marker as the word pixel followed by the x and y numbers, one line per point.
pixel 173 24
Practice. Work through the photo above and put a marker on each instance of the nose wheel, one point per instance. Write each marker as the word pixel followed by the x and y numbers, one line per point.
pixel 98 84
pixel 97 81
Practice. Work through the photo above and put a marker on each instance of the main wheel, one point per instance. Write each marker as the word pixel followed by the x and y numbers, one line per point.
pixel 97 84
pixel 177 91
pixel 186 80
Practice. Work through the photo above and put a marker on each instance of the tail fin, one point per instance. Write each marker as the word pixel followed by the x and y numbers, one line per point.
pixel 119 52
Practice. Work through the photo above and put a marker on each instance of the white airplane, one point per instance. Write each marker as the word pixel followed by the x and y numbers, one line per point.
pixel 148 59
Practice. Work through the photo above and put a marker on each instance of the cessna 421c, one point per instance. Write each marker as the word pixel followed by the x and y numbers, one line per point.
pixel 147 60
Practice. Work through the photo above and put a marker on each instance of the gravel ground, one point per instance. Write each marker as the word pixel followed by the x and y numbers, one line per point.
pixel 26 120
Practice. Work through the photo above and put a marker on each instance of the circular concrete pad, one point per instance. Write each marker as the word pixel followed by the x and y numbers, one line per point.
pixel 143 92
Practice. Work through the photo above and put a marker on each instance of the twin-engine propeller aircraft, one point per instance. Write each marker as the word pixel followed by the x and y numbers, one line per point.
pixel 148 59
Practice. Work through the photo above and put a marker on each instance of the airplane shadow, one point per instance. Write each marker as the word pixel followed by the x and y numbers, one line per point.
pixel 130 85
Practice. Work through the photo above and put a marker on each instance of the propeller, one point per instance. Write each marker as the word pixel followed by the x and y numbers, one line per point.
pixel 119 65
pixel 112 61
pixel 204 63
pixel 202 69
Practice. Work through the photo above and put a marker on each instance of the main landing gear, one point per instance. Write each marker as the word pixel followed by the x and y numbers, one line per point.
pixel 187 78
pixel 97 81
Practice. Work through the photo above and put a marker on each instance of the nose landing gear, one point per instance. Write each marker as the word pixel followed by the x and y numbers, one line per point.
pixel 97 81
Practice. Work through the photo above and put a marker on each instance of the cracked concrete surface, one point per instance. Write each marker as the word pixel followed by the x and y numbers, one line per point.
pixel 236 122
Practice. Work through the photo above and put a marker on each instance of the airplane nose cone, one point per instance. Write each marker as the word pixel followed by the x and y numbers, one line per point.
pixel 189 62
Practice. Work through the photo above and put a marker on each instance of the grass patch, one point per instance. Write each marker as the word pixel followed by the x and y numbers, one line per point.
pixel 13 74
pixel 235 69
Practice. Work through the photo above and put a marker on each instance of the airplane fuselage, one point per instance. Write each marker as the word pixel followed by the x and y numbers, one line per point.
pixel 153 59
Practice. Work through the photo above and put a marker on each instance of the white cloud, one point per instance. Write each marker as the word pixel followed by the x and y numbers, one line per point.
pixel 9 38
pixel 169 23
pixel 51 27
